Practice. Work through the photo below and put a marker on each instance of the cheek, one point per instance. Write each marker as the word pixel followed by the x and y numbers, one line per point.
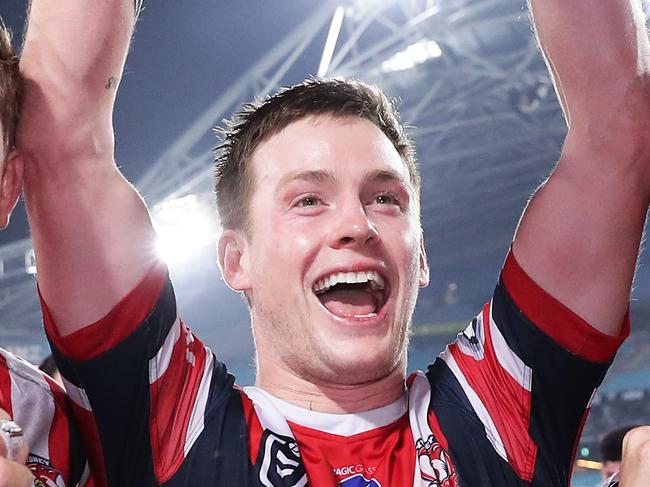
pixel 287 246
pixel 404 242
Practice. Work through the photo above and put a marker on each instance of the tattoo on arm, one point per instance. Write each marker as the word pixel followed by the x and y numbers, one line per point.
pixel 111 83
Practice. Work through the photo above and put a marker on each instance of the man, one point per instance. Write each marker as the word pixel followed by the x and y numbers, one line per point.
pixel 611 450
pixel 319 200
pixel 31 398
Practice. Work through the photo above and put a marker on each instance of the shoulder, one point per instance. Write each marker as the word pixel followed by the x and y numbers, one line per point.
pixel 16 374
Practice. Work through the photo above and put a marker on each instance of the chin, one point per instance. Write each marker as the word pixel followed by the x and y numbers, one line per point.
pixel 361 363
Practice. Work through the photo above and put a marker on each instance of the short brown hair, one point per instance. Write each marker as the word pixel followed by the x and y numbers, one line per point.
pixel 259 120
pixel 10 89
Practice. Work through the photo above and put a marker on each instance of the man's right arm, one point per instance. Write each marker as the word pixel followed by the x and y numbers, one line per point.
pixel 91 231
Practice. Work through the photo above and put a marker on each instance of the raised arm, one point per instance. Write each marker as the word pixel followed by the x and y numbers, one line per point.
pixel 92 234
pixel 580 234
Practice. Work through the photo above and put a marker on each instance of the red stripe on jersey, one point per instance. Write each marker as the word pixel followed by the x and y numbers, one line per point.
pixel 59 438
pixel 507 402
pixel 254 427
pixel 575 334
pixel 5 387
pixel 576 443
pixel 173 396
pixel 434 424
pixel 120 322
pixel 92 444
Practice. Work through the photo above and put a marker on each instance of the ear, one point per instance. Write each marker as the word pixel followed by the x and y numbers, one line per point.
pixel 11 184
pixel 233 260
pixel 424 264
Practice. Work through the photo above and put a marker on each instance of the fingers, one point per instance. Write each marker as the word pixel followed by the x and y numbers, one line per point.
pixel 13 446
pixel 14 474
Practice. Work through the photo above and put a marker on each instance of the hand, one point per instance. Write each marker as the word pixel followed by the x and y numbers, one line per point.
pixel 14 473
pixel 635 467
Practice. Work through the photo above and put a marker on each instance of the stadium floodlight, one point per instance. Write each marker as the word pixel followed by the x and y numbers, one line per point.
pixel 415 54
pixel 185 228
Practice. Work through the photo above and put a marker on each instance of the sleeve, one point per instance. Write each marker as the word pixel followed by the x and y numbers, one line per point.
pixel 141 384
pixel 528 368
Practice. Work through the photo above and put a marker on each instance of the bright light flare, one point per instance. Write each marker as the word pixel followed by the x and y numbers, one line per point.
pixel 589 464
pixel 415 54
pixel 185 227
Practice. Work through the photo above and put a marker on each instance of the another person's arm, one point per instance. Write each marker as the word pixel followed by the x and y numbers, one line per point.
pixel 92 234
pixel 580 234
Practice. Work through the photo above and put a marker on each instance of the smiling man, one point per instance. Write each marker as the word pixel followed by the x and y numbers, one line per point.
pixel 318 195
pixel 336 298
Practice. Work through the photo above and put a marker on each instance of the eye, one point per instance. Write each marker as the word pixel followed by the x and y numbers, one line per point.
pixel 387 199
pixel 309 200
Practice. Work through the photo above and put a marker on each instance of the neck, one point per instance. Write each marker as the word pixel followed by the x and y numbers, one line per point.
pixel 330 397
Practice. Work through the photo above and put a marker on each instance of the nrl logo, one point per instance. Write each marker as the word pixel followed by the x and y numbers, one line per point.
pixel 281 465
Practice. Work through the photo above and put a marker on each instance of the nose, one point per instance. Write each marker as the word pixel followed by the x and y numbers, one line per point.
pixel 353 228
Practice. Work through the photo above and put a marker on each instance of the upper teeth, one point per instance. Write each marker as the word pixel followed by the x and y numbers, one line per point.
pixel 373 277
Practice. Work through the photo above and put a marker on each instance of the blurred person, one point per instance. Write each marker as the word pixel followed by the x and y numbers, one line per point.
pixel 611 450
pixel 633 447
pixel 52 455
pixel 635 465
pixel 318 195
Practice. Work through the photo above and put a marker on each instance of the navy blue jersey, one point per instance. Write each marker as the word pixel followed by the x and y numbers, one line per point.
pixel 503 405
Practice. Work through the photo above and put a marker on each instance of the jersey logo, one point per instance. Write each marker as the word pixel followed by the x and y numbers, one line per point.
pixel 281 465
pixel 435 464
pixel 359 481
pixel 45 475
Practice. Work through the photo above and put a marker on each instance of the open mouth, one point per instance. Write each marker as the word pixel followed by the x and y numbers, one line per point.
pixel 352 294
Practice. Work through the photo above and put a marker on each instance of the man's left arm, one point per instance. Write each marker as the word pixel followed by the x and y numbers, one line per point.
pixel 580 234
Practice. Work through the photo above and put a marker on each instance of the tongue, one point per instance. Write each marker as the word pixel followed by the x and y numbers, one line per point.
pixel 349 302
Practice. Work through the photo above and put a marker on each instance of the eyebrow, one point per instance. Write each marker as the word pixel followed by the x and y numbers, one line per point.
pixel 382 175
pixel 314 176
pixel 322 176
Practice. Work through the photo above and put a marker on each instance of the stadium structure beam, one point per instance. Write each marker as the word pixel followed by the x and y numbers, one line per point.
pixel 180 170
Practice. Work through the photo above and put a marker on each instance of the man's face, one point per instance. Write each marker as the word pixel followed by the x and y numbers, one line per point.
pixel 335 255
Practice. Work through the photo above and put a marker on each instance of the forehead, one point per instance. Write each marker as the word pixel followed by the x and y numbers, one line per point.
pixel 349 147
